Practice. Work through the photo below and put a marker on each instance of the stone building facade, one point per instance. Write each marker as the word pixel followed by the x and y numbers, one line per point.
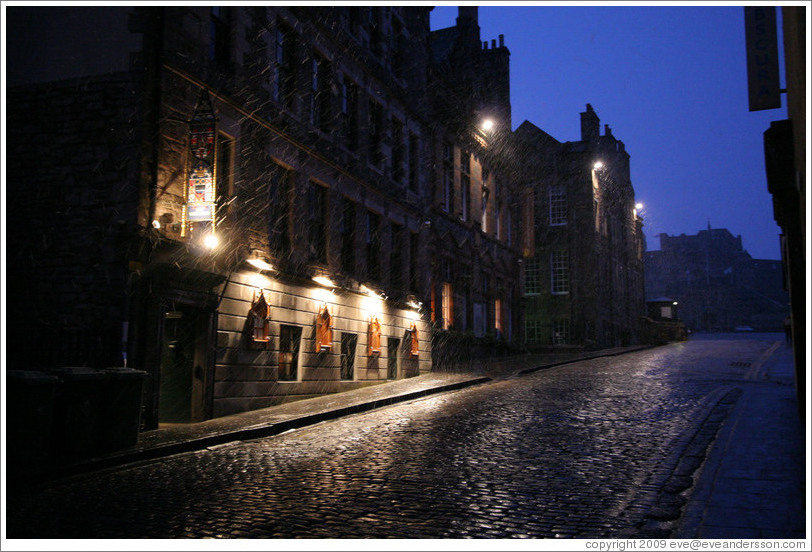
pixel 583 273
pixel 253 204
pixel 474 232
pixel 717 284
pixel 235 203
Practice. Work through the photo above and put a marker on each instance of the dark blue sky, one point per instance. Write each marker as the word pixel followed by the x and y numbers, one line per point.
pixel 671 82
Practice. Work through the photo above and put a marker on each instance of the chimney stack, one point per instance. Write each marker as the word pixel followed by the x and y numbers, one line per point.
pixel 590 125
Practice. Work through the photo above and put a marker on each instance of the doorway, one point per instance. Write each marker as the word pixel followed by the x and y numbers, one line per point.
pixel 183 371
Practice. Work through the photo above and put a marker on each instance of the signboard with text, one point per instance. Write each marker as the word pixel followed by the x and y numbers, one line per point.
pixel 200 187
pixel 761 36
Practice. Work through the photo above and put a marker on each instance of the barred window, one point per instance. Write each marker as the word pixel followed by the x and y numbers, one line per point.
pixel 532 276
pixel 560 272
pixel 558 205
pixel 561 331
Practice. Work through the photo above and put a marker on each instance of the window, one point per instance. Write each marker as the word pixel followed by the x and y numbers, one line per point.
pixel 448 178
pixel 348 237
pixel 509 226
pixel 350 110
pixel 280 202
pixel 320 93
pixel 560 272
pixel 376 132
pixel 498 222
pixel 532 331
pixel 561 331
pixel 497 318
pixel 289 339
pixel 225 168
pixel 317 223
pixel 414 244
pixel 485 194
pixel 480 319
pixel 532 276
pixel 414 161
pixel 447 306
pixel 397 47
pixel 396 268
pixel 398 169
pixel 219 41
pixel 373 239
pixel 349 343
pixel 392 348
pixel 284 75
pixel 558 205
pixel 465 183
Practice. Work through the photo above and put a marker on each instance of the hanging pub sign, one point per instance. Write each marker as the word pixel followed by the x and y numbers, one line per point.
pixel 200 187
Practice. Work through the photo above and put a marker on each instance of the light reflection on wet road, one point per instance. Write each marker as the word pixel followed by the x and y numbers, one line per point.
pixel 573 451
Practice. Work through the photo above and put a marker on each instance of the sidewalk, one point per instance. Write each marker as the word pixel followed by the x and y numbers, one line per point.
pixel 255 424
pixel 753 482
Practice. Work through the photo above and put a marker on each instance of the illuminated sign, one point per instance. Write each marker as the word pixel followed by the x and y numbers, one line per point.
pixel 200 200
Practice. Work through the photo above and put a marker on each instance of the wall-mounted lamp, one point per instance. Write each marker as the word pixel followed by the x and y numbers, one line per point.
pixel 260 264
pixel 598 165
pixel 324 281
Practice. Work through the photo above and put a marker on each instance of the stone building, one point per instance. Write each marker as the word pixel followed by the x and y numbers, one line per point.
pixel 718 285
pixel 474 228
pixel 786 158
pixel 254 204
pixel 232 199
pixel 583 273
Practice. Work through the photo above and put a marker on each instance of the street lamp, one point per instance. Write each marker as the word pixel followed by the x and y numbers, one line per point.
pixel 598 165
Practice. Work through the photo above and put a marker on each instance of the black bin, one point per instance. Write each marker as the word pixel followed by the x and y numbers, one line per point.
pixel 121 407
pixel 29 418
pixel 78 411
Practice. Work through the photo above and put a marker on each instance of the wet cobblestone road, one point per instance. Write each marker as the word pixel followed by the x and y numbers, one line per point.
pixel 580 450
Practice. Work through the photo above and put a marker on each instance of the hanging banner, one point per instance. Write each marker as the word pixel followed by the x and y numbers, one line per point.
pixel 201 185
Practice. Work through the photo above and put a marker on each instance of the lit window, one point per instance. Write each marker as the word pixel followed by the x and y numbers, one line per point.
pixel 497 321
pixel 447 306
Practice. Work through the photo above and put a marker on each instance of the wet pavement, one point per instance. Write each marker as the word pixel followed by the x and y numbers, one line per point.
pixel 638 444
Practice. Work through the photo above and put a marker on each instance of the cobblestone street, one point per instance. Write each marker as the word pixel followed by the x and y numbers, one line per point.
pixel 579 450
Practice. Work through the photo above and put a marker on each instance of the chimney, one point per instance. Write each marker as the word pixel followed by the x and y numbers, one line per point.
pixel 470 13
pixel 590 125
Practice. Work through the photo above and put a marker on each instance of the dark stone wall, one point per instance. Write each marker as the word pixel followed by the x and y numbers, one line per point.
pixel 73 170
